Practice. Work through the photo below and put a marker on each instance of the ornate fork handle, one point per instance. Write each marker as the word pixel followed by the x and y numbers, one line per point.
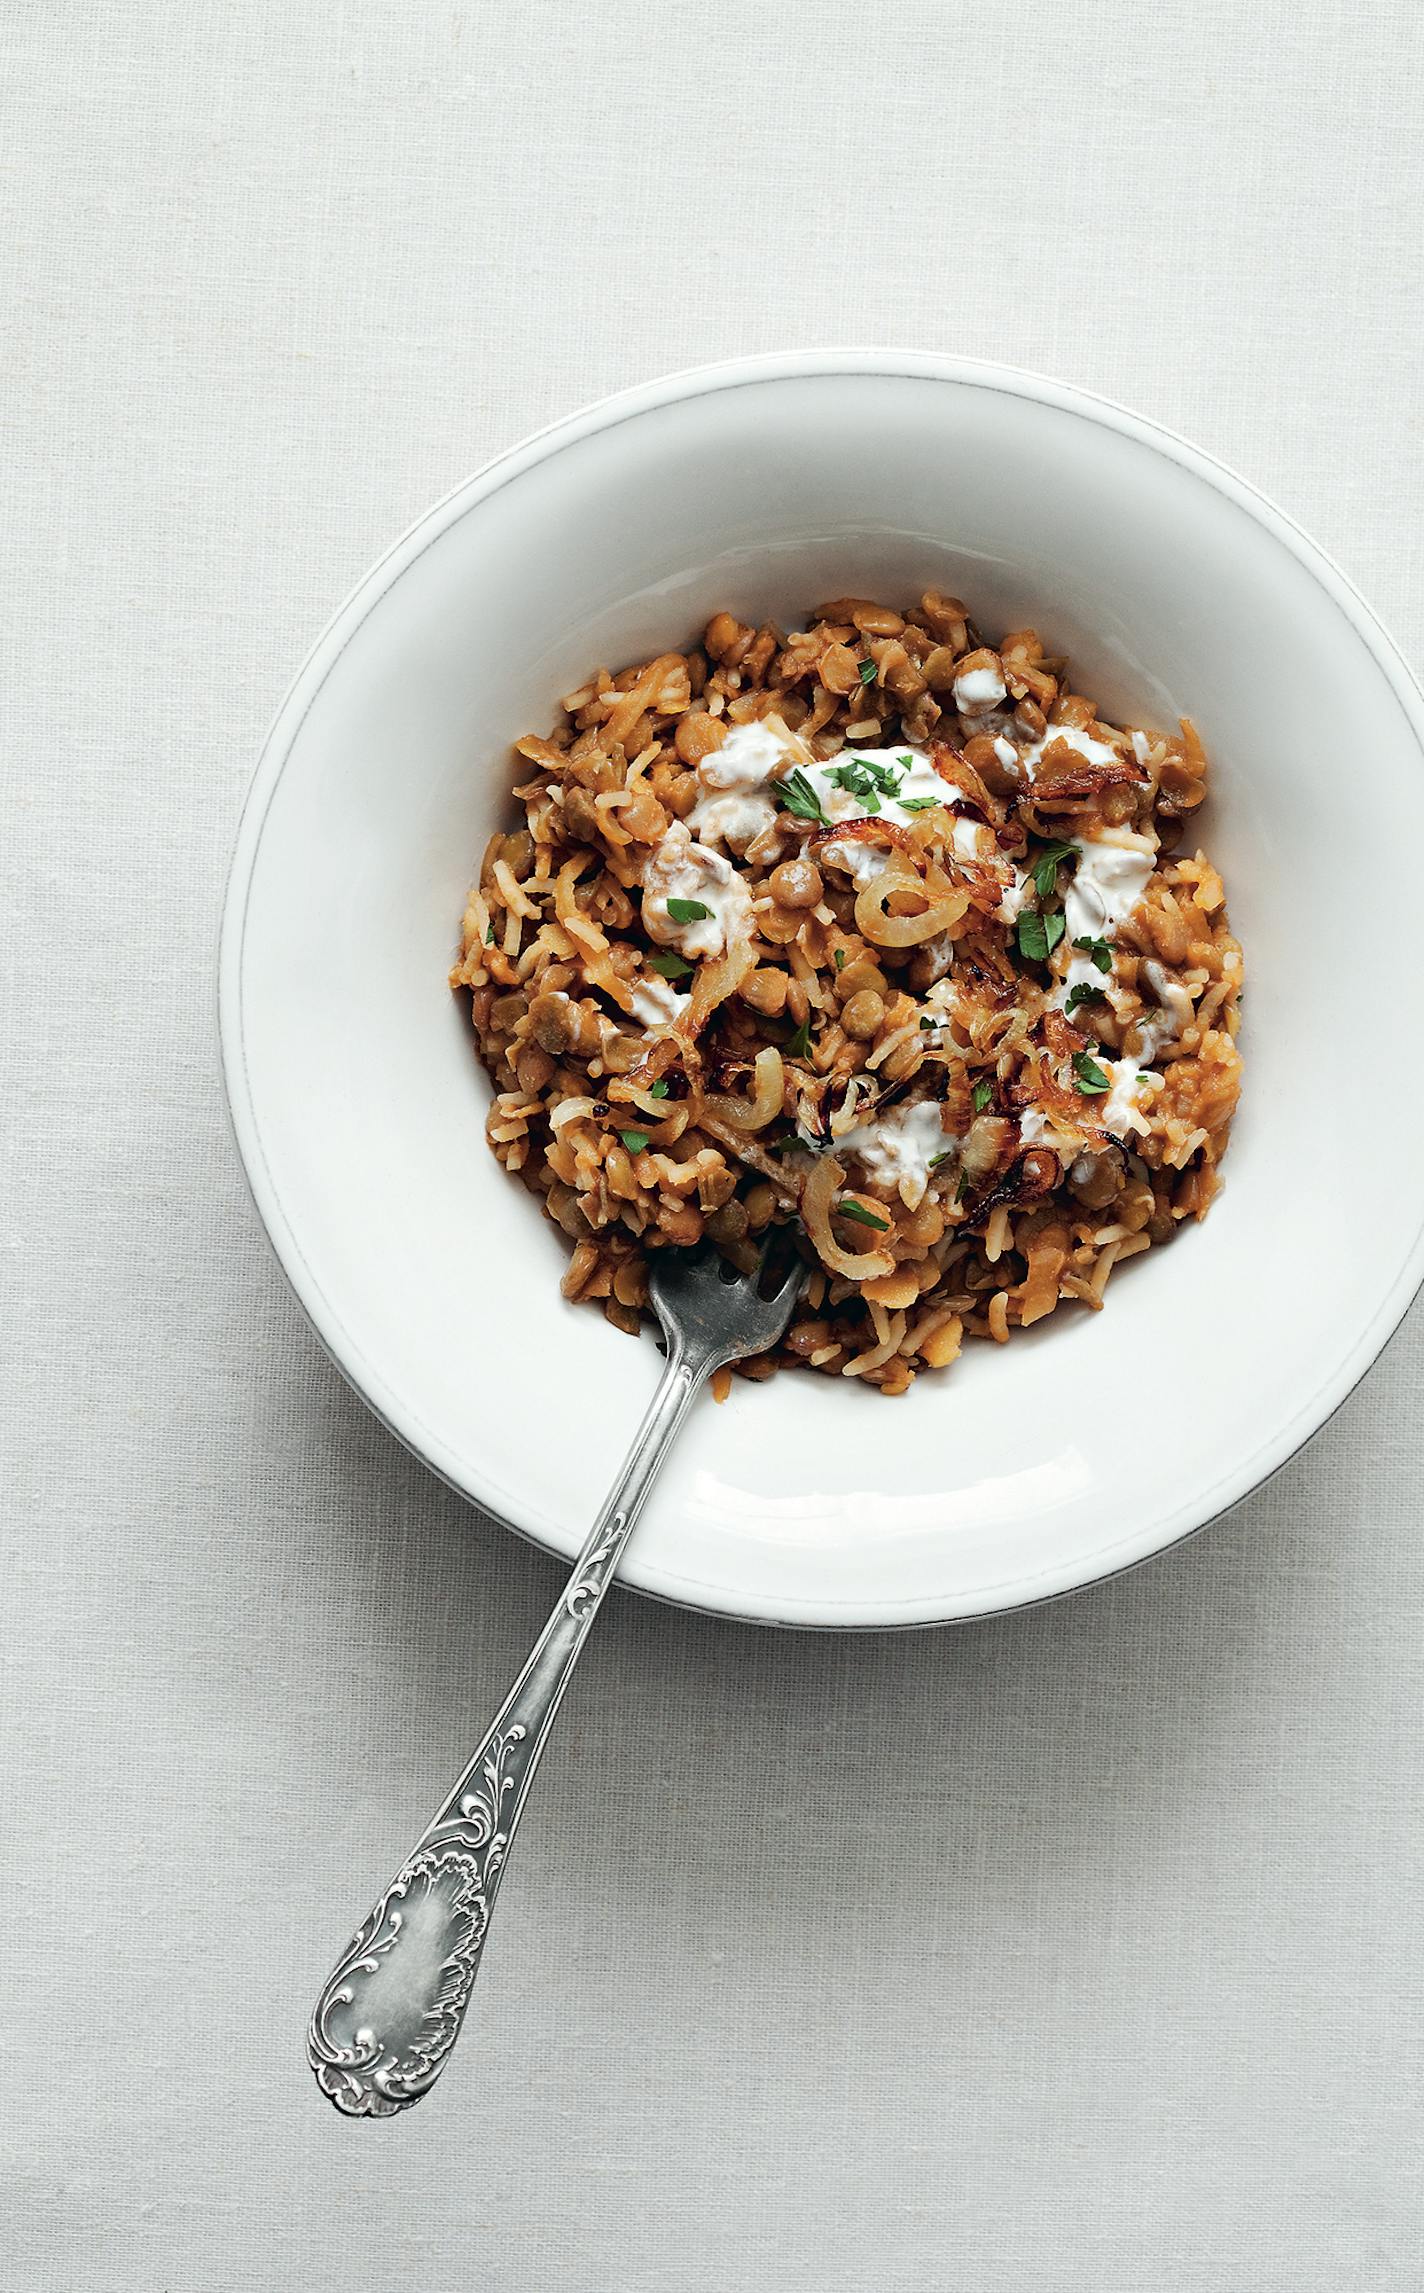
pixel 391 2010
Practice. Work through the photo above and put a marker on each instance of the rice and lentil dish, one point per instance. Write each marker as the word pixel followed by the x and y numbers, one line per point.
pixel 873 930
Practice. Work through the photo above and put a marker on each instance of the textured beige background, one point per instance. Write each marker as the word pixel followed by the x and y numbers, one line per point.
pixel 1072 1954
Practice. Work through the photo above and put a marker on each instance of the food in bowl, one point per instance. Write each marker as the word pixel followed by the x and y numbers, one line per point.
pixel 874 930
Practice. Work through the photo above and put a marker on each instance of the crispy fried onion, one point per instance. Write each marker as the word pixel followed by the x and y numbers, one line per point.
pixel 1034 1174
pixel 763 1106
pixel 950 764
pixel 863 831
pixel 817 1196
pixel 717 978
pixel 1063 775
pixel 954 766
pixel 988 1140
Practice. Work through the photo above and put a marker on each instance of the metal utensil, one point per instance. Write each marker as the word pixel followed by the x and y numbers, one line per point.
pixel 391 2010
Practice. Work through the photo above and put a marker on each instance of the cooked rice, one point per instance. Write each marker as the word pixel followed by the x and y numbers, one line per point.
pixel 878 1030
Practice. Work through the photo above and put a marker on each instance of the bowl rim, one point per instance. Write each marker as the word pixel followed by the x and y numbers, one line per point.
pixel 463 1474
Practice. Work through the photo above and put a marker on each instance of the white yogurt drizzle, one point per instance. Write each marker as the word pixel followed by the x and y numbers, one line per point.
pixel 1092 751
pixel 1108 882
pixel 976 690
pixel 1122 1108
pixel 736 803
pixel 898 1149
pixel 656 1001
pixel 679 869
pixel 734 807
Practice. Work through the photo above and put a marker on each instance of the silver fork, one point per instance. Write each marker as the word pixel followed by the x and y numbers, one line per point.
pixel 391 2009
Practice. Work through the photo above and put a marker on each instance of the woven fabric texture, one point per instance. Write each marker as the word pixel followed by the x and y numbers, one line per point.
pixel 1073 1953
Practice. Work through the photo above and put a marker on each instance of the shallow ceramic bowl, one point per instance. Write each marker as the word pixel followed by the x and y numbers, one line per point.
pixel 359 1105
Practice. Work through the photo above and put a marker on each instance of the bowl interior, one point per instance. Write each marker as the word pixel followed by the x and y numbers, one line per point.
pixel 360 1104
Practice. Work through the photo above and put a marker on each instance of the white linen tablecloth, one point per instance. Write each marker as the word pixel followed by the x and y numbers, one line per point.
pixel 1074 1953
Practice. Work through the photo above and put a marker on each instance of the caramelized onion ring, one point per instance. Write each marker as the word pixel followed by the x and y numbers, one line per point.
pixel 715 981
pixel 816 1198
pixel 755 1113
pixel 905 931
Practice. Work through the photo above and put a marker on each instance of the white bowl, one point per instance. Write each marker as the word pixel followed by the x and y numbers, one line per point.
pixel 358 1103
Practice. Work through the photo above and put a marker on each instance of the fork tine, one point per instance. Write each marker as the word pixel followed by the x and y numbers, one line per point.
pixel 795 1272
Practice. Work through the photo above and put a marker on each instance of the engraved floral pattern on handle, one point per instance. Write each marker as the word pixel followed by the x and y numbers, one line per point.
pixel 392 2008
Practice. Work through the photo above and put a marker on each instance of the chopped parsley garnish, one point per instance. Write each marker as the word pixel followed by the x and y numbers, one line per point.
pixel 659 1089
pixel 919 803
pixel 983 1093
pixel 962 1189
pixel 867 779
pixel 840 959
pixel 800 797
pixel 688 912
pixel 798 1046
pixel 671 966
pixel 936 1159
pixel 1045 867
pixel 867 672
pixel 1099 949
pixel 862 1216
pixel 1089 1076
pixel 489 936
pixel 634 1141
pixel 1082 991
pixel 1039 932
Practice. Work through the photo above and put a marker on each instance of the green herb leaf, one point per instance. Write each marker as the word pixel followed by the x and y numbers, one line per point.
pixel 688 911
pixel 867 777
pixel 867 672
pixel 1099 949
pixel 906 759
pixel 1089 1075
pixel 840 959
pixel 936 1159
pixel 919 803
pixel 489 936
pixel 1045 867
pixel 1039 931
pixel 671 966
pixel 962 1189
pixel 634 1141
pixel 800 797
pixel 1082 991
pixel 1031 936
pixel 798 1046
pixel 659 1089
pixel 862 1216
pixel 983 1093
